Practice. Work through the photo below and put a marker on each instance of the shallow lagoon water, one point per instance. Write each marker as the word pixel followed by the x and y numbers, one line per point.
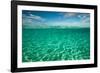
pixel 55 44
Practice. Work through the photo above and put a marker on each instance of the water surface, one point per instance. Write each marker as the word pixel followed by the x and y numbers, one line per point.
pixel 55 44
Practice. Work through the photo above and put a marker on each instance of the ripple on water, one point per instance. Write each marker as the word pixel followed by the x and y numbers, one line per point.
pixel 54 45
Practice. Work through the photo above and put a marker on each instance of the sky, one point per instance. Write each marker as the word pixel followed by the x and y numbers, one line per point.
pixel 48 19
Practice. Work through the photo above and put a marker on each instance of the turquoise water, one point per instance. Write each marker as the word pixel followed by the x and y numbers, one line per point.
pixel 55 44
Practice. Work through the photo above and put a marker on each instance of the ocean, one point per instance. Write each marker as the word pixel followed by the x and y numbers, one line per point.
pixel 39 45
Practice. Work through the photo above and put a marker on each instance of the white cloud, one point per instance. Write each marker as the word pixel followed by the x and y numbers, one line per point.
pixel 36 17
pixel 33 17
pixel 32 21
pixel 69 14
pixel 85 18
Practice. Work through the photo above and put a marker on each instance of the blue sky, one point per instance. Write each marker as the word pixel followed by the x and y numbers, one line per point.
pixel 44 19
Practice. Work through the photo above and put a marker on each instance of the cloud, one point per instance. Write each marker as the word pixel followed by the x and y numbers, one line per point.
pixel 85 18
pixel 33 17
pixel 69 14
pixel 77 19
pixel 32 21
